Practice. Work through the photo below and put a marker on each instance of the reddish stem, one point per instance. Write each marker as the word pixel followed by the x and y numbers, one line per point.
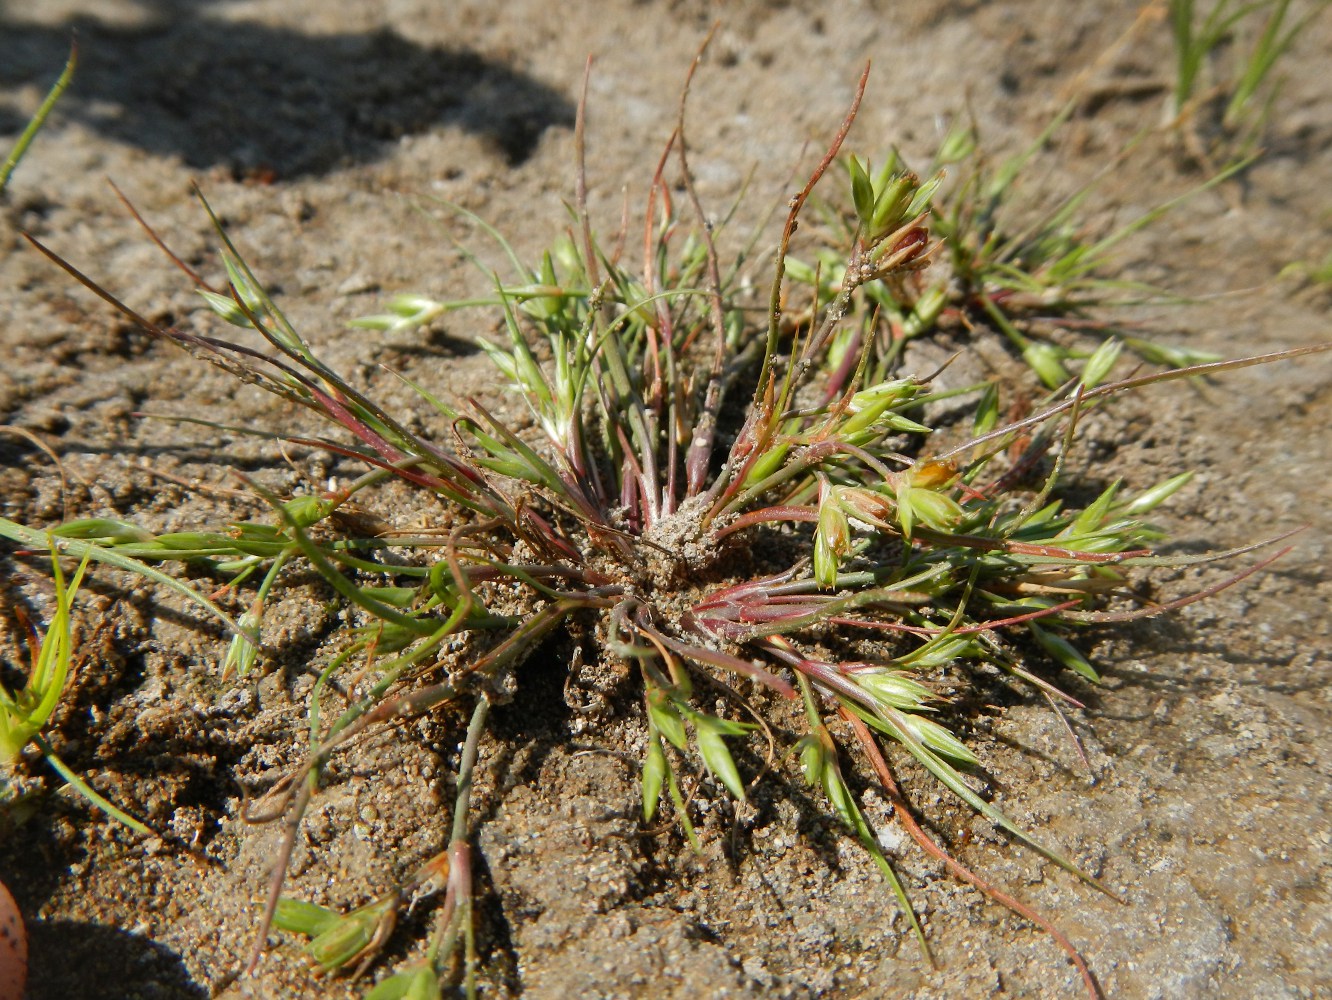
pixel 958 869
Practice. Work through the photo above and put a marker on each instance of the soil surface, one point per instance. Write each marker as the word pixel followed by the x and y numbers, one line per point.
pixel 321 131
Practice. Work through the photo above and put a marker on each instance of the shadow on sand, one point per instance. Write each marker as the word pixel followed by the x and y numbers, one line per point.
pixel 270 101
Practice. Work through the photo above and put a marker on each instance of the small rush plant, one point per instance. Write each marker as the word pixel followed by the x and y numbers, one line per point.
pixel 745 497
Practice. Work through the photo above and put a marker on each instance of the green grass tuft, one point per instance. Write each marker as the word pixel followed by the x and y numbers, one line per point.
pixel 749 513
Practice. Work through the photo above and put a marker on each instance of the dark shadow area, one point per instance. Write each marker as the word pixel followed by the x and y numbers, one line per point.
pixel 74 959
pixel 268 102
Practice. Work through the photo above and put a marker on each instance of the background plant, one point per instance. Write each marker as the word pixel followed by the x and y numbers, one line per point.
pixel 26 711
pixel 1033 267
pixel 1038 273
pixel 1225 62
pixel 20 147
pixel 816 542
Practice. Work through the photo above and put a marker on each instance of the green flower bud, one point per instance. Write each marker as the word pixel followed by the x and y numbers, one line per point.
pixel 894 688
pixel 1047 361
pixel 1158 494
pixel 307 510
pixel 1099 364
pixel 937 738
pixel 654 776
pixel 862 192
pixel 926 310
pixel 301 917
pixel 832 537
pixel 347 939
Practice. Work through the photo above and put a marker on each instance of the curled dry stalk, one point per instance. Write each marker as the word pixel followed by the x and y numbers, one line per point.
pixel 693 539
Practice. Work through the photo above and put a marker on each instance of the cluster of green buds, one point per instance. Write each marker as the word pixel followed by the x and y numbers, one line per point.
pixel 908 498
pixel 920 496
pixel 876 410
pixel 339 940
pixel 890 207
pixel 839 506
pixel 898 699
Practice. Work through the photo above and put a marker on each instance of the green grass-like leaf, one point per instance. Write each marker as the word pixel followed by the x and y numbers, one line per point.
pixel 29 133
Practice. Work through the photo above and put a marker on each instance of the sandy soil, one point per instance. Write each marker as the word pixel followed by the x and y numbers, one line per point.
pixel 318 129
